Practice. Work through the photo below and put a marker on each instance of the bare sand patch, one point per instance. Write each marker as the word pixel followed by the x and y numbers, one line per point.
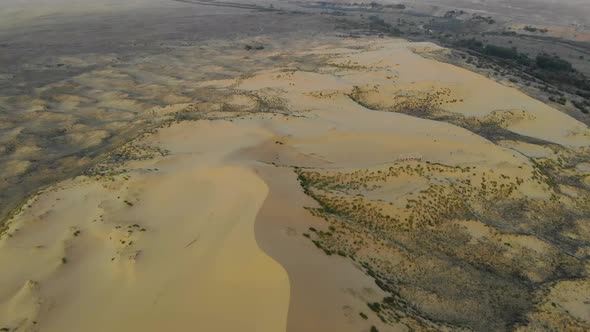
pixel 327 293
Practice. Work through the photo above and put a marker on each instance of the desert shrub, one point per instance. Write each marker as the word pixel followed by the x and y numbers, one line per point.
pixel 578 104
pixel 375 306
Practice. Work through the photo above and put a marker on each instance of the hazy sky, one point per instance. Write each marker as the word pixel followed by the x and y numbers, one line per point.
pixel 18 12
pixel 15 12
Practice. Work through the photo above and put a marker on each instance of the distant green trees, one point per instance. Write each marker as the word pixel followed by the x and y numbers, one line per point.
pixel 472 43
pixel 377 23
pixel 533 29
pixel 544 67
pixel 501 52
pixel 553 63
pixel 542 61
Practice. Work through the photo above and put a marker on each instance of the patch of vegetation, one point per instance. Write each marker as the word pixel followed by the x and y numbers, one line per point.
pixel 472 43
pixel 375 306
pixel 256 47
pixel 554 72
pixel 553 63
pixel 112 163
pixel 417 247
pixel 501 52
pixel 379 24
pixel 533 29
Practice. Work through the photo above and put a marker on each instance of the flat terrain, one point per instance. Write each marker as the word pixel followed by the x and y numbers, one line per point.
pixel 247 167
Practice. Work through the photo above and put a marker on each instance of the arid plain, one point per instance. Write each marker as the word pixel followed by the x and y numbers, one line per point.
pixel 292 182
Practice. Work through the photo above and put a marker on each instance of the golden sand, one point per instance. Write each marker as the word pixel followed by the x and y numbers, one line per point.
pixel 155 250
pixel 170 243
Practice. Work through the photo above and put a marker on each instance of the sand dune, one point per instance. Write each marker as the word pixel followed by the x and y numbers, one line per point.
pixel 309 200
pixel 150 250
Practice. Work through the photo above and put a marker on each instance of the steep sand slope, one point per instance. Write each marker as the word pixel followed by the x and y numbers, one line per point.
pixel 153 250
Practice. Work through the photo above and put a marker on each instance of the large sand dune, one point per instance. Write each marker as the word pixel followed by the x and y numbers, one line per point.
pixel 352 195
pixel 156 250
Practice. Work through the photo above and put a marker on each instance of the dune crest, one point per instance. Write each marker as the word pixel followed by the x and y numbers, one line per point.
pixel 153 250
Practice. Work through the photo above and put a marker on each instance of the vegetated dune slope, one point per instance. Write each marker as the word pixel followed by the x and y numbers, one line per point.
pixel 372 189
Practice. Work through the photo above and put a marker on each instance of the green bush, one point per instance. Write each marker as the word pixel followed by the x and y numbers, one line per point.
pixel 375 306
